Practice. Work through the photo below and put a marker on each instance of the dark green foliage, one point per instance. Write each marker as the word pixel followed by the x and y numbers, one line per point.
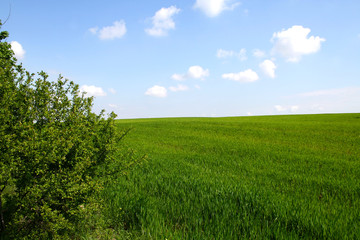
pixel 54 153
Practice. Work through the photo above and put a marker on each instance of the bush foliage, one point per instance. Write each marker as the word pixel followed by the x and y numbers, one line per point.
pixel 53 152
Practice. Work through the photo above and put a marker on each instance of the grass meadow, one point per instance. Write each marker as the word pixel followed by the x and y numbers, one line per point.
pixel 258 177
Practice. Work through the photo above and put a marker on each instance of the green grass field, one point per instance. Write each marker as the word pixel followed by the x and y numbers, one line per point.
pixel 278 177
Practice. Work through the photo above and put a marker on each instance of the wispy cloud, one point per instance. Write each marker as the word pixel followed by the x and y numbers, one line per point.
pixel 336 100
pixel 112 90
pixel 162 21
pixel 221 53
pixel 258 53
pixel 280 108
pixel 331 92
pixel 117 30
pixel 179 88
pixel 292 109
pixel 213 8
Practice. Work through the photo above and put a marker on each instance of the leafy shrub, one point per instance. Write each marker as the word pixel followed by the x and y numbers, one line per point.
pixel 54 152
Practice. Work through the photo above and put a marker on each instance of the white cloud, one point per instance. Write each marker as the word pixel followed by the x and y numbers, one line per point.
pixel 178 77
pixel 162 21
pixel 113 105
pixel 258 53
pixel 18 50
pixel 280 108
pixel 117 30
pixel 292 109
pixel 179 88
pixel 92 91
pixel 221 53
pixel 195 72
pixel 224 53
pixel 157 91
pixel 245 76
pixel 268 68
pixel 294 42
pixel 213 8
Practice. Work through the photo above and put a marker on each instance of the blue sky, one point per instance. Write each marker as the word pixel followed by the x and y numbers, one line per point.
pixel 172 58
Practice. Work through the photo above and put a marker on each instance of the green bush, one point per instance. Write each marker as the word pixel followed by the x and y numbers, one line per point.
pixel 55 153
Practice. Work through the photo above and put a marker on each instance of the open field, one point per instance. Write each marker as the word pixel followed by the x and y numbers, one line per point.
pixel 242 177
